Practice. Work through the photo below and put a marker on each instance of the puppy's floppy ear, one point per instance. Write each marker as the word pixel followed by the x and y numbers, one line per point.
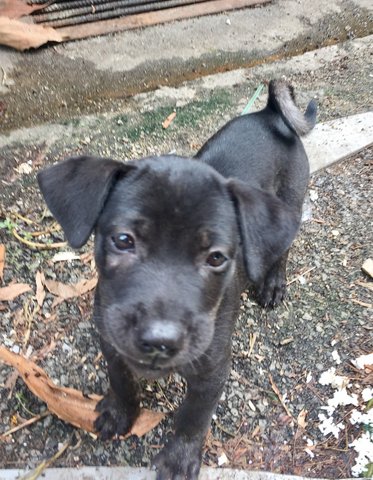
pixel 75 191
pixel 267 226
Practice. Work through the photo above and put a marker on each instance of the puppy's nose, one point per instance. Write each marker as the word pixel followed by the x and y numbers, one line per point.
pixel 160 339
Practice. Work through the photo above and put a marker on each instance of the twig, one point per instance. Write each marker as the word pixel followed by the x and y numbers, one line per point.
pixel 24 219
pixel 319 220
pixel 53 228
pixel 253 337
pixel 294 446
pixel 335 449
pixel 3 80
pixel 38 245
pixel 367 285
pixel 237 445
pixel 29 316
pixel 223 429
pixel 168 403
pixel 280 397
pixel 2 260
pixel 346 440
pixel 21 402
pixel 239 377
pixel 46 463
pixel 316 392
pixel 300 275
pixel 25 424
pixel 362 304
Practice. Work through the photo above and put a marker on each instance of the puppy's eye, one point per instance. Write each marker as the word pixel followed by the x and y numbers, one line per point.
pixel 216 259
pixel 123 242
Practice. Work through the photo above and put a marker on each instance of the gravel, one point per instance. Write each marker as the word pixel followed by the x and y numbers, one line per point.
pixel 278 355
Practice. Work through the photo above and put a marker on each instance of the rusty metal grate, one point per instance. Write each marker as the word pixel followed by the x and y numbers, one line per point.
pixel 30 23
pixel 62 13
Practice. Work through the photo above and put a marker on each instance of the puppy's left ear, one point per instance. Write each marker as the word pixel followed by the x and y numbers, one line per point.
pixel 267 226
pixel 76 190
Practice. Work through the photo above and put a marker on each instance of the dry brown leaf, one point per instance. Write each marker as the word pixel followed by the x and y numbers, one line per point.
pixel 86 285
pixel 61 289
pixel 65 291
pixel 12 291
pixel 23 36
pixel 17 8
pixel 68 404
pixel 2 260
pixel 169 120
pixel 10 382
pixel 301 419
pixel 40 292
pixel 146 421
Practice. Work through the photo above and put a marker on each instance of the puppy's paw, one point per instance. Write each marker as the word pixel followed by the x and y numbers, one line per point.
pixel 272 291
pixel 113 418
pixel 180 459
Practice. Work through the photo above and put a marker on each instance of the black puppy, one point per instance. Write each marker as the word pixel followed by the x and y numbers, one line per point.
pixel 176 241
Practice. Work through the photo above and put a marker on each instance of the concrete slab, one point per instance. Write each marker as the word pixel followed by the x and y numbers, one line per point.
pixel 333 141
pixel 127 473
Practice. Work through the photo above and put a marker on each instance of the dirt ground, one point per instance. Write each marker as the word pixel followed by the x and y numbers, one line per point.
pixel 268 416
pixel 102 74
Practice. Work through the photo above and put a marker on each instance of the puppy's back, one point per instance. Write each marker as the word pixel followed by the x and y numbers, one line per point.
pixel 258 146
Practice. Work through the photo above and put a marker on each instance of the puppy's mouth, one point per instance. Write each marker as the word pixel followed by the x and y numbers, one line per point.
pixel 155 364
pixel 148 368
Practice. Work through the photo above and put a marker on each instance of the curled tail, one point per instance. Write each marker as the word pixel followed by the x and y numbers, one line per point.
pixel 281 98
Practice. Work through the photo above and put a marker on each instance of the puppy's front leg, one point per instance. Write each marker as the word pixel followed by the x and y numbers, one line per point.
pixel 181 458
pixel 272 290
pixel 120 406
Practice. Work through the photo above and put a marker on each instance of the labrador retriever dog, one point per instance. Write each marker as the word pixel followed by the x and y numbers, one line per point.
pixel 176 241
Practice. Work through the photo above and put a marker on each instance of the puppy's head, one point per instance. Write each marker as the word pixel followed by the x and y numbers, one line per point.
pixel 168 237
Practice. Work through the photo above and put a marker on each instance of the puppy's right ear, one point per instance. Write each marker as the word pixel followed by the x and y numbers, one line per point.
pixel 75 191
pixel 267 226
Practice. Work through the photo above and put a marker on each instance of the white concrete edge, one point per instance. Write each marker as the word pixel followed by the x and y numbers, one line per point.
pixel 332 141
pixel 48 133
pixel 128 473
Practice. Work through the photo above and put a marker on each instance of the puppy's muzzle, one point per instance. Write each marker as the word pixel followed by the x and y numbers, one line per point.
pixel 161 339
